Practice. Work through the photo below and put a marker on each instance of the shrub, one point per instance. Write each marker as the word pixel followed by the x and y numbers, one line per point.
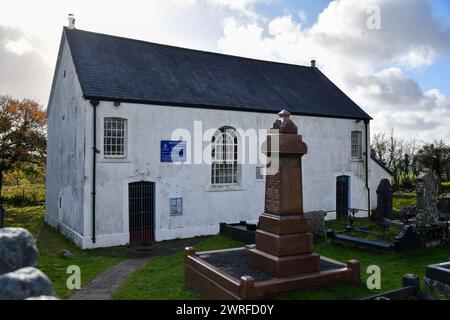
pixel 24 195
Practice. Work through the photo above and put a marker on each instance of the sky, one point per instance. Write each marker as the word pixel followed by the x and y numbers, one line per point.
pixel 392 57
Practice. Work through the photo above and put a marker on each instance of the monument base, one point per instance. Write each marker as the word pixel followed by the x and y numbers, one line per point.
pixel 283 266
pixel 228 275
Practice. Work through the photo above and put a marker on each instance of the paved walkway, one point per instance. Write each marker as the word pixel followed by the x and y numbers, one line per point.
pixel 105 284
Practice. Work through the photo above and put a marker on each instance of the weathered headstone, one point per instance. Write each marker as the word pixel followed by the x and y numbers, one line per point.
pixel 17 250
pixel 316 221
pixel 427 188
pixel 384 201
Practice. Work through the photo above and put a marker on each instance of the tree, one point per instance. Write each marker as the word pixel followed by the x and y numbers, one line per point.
pixel 397 154
pixel 435 156
pixel 390 152
pixel 22 134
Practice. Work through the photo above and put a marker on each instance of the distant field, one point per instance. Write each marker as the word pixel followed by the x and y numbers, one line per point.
pixel 31 194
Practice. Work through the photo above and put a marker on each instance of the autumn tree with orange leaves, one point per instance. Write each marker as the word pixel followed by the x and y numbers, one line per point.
pixel 22 134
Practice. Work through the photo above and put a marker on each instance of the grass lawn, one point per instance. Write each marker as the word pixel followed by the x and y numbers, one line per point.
pixel 163 277
pixel 50 244
pixel 400 202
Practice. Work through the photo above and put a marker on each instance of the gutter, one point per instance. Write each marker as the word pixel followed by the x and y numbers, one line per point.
pixel 366 124
pixel 226 108
pixel 94 104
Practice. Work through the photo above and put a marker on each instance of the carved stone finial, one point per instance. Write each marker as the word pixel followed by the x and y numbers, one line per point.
pixel 284 124
pixel 284 114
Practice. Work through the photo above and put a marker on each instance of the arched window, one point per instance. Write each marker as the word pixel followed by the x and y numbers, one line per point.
pixel 224 168
pixel 114 137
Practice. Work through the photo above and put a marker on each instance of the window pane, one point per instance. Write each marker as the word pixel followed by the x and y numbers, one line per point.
pixel 114 137
pixel 356 144
pixel 224 157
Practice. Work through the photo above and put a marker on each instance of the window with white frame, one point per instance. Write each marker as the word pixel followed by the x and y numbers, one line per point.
pixel 356 144
pixel 114 137
pixel 224 166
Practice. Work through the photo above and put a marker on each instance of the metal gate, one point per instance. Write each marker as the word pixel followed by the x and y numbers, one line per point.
pixel 141 209
pixel 342 196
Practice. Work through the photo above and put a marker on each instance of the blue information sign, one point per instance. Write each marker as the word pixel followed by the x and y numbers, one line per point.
pixel 173 151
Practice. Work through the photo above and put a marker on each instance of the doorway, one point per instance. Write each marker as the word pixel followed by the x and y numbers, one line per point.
pixel 342 196
pixel 141 210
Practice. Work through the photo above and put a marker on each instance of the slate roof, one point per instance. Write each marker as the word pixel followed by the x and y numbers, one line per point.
pixel 119 69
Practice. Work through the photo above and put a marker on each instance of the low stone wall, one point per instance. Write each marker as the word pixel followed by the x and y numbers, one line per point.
pixel 19 278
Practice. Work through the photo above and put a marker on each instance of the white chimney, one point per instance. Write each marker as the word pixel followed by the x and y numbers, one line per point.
pixel 313 63
pixel 71 21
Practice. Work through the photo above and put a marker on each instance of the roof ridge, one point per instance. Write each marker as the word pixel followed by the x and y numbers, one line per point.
pixel 66 29
pixel 107 66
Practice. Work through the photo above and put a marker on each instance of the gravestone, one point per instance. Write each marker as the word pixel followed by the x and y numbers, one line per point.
pixel 316 221
pixel 427 188
pixel 384 201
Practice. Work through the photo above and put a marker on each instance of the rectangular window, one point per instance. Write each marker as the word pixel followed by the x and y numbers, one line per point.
pixel 356 144
pixel 114 138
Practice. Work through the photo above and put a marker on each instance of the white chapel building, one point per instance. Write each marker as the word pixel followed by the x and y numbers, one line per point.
pixel 145 140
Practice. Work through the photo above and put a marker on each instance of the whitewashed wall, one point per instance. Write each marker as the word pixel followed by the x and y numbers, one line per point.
pixel 64 200
pixel 204 208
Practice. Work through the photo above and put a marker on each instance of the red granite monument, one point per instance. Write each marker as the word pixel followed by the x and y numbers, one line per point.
pixel 282 259
pixel 284 247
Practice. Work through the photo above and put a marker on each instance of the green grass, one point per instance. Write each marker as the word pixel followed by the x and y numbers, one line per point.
pixel 163 277
pixel 50 244
pixel 399 203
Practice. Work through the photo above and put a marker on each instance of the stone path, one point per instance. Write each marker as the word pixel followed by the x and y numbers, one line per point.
pixel 105 284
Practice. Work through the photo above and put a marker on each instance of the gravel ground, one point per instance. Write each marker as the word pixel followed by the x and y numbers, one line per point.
pixel 235 264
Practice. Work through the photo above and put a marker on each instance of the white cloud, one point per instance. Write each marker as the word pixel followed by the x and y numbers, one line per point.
pixel 367 64
pixel 185 3
pixel 24 72
pixel 245 7
pixel 41 25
